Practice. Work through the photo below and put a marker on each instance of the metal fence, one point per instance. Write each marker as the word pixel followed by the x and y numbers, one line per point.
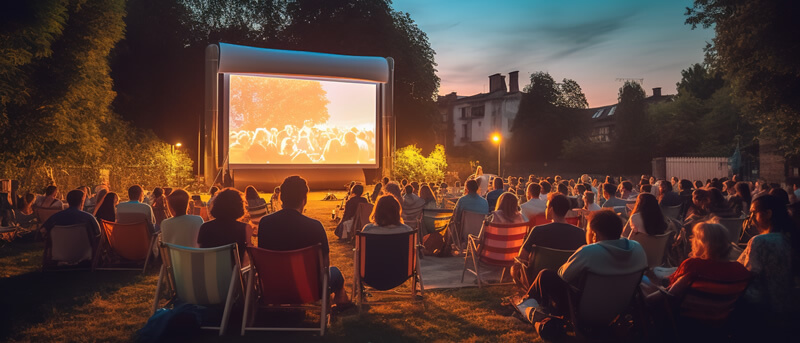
pixel 691 168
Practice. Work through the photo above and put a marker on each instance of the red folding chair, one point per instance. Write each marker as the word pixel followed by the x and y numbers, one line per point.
pixel 129 243
pixel 496 246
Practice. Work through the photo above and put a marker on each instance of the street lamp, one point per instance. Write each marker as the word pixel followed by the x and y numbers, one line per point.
pixel 174 160
pixel 497 139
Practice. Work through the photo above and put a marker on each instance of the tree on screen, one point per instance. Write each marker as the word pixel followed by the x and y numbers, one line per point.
pixel 258 102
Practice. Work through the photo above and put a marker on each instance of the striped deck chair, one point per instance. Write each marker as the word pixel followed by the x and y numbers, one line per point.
pixel 286 279
pixel 496 246
pixel 385 261
pixel 256 213
pixel 68 247
pixel 131 243
pixel 204 277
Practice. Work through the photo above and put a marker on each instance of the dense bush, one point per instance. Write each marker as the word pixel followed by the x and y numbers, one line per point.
pixel 409 163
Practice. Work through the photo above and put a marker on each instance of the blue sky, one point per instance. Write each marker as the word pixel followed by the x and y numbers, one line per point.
pixel 591 42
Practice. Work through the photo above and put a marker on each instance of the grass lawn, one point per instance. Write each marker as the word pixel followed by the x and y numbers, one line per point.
pixel 112 305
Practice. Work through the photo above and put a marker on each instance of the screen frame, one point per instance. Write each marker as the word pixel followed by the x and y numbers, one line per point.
pixel 225 125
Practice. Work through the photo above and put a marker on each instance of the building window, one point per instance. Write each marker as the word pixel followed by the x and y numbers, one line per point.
pixel 601 134
pixel 477 111
pixel 464 113
pixel 465 135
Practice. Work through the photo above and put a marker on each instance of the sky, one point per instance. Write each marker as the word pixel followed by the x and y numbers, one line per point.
pixel 592 42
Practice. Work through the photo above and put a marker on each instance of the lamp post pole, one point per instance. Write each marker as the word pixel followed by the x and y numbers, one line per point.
pixel 175 162
pixel 498 139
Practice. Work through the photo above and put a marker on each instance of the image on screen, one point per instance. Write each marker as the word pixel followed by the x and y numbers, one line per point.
pixel 274 120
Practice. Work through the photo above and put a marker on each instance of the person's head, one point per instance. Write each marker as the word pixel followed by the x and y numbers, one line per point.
pixel 213 190
pixel 51 191
pixel 276 190
pixel 627 186
pixel 497 183
pixel 717 199
pixel 135 193
pixel 507 202
pixel 770 214
pixel 701 198
pixel 393 188
pixel 107 204
pixel 698 184
pixel 229 204
pixel 743 191
pixel 403 182
pixel 408 190
pixel 563 188
pixel 545 187
pixel 378 188
pixel 426 193
pixel 794 182
pixel 533 190
pixel 686 185
pixel 385 180
pixel 472 186
pixel 588 198
pixel 580 189
pixel 647 207
pixel 415 187
pixel 603 225
pixel 585 178
pixel 665 187
pixel 609 190
pixel 386 211
pixel 75 198
pixel 728 187
pixel 357 190
pixel 557 206
pixel 646 188
pixel 178 202
pixel 674 180
pixel 294 193
pixel 250 192
pixel 710 241
pixel 781 194
pixel 158 192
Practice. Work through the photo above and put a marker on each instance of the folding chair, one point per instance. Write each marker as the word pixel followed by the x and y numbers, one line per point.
pixel 470 224
pixel 256 213
pixel 286 279
pixel 361 218
pixel 574 218
pixel 539 219
pixel 204 277
pixel 130 242
pixel 385 261
pixel 434 221
pixel 544 258
pixel 672 212
pixel 705 306
pixel 601 299
pixel 655 247
pixel 734 226
pixel 496 246
pixel 68 246
pixel 43 214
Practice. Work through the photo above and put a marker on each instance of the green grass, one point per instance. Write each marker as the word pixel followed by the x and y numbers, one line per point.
pixel 82 306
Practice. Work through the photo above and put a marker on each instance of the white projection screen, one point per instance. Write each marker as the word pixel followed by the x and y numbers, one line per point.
pixel 278 120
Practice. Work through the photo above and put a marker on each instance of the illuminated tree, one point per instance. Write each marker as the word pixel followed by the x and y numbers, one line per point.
pixel 410 164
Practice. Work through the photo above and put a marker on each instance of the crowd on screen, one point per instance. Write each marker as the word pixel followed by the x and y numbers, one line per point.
pixel 611 213
pixel 308 144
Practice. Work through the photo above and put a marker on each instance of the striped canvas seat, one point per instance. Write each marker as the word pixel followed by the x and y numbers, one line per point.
pixel 256 212
pixel 131 242
pixel 205 277
pixel 497 245
pixel 384 262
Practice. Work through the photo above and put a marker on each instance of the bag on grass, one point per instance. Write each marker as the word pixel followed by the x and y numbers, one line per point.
pixel 432 242
pixel 182 321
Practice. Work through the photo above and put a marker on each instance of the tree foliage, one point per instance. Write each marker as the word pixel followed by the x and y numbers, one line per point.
pixel 409 163
pixel 756 47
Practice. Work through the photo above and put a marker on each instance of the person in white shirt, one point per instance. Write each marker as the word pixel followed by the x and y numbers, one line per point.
pixel 50 199
pixel 534 206
pixel 135 211
pixel 588 202
pixel 182 228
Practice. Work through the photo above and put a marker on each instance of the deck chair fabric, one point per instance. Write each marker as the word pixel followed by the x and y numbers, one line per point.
pixel 68 246
pixel 386 261
pixel 655 246
pixel 130 242
pixel 708 301
pixel 43 214
pixel 601 299
pixel 544 258
pixel 672 211
pixel 734 226
pixel 470 224
pixel 497 246
pixel 210 276
pixel 434 220
pixel 285 279
pixel 256 213
pixel 360 219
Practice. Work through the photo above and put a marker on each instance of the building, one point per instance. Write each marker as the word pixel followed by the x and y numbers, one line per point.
pixel 603 122
pixel 475 118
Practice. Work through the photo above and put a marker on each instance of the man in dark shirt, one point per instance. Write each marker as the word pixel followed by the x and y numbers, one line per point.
pixel 491 197
pixel 74 215
pixel 556 235
pixel 668 198
pixel 289 229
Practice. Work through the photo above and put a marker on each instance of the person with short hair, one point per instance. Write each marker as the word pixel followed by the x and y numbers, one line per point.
pixel 411 207
pixel 558 234
pixel 50 199
pixel 135 211
pixel 470 202
pixel 609 193
pixel 182 228
pixel 386 218
pixel 74 215
pixel 534 206
pixel 589 203
pixel 226 227
pixel 288 229
pixel 545 189
pixel 668 197
pixel 494 194
pixel 606 253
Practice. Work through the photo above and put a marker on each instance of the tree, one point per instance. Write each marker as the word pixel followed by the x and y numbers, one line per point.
pixel 409 163
pixel 631 125
pixel 756 48
pixel 699 81
pixel 571 95
pixel 542 89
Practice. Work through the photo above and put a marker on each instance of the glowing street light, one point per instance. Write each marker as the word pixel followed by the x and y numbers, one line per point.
pixel 497 139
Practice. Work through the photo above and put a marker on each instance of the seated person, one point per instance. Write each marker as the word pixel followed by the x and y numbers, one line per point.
pixel 106 209
pixel 182 228
pixel 470 202
pixel 50 199
pixel 24 213
pixel 589 203
pixel 545 189
pixel 506 211
pixel 534 206
pixel 497 190
pixel 256 206
pixel 275 199
pixel 289 229
pixel 668 197
pixel 556 235
pixel 605 253
pixel 646 218
pixel 226 228
pixel 135 211
pixel 609 193
pixel 385 217
pixel 73 215
pixel 412 207
pixel 350 208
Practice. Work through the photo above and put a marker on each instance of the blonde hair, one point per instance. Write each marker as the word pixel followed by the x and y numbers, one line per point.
pixel 710 241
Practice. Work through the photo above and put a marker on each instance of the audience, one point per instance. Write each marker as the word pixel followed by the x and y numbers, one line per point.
pixel 73 215
pixel 534 206
pixel 288 229
pixel 609 193
pixel 351 205
pixel 376 192
pixel 50 199
pixel 668 198
pixel 256 206
pixel 107 208
pixel 470 202
pixel 412 207
pixel 646 218
pixel 226 227
pixel 497 190
pixel 135 211
pixel 385 217
pixel 159 205
pixel 589 203
pixel 182 228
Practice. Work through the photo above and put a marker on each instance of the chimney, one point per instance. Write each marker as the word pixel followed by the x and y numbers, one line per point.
pixel 657 91
pixel 497 82
pixel 513 81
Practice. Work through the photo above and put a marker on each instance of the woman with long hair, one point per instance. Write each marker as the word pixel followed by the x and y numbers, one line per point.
pixel 386 218
pixel 256 206
pixel 106 209
pixel 159 203
pixel 507 210
pixel 226 227
pixel 647 217
pixel 428 222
